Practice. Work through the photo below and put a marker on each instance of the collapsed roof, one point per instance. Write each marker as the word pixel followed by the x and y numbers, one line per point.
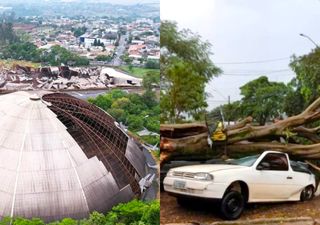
pixel 63 157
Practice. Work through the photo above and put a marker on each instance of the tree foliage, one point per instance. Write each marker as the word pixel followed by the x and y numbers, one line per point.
pixel 58 55
pixel 132 213
pixel 97 42
pixel 22 51
pixel 7 34
pixel 231 112
pixel 263 99
pixel 133 110
pixel 106 58
pixel 55 56
pixel 185 69
pixel 135 213
pixel 152 64
pixel 77 32
pixel 150 80
pixel 294 102
pixel 307 69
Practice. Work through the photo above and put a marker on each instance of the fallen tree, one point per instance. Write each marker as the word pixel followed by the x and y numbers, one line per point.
pixel 294 135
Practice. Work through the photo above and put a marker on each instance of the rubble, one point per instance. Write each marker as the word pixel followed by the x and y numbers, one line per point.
pixel 57 78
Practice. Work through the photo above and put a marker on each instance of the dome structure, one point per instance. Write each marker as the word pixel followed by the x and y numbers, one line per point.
pixel 63 157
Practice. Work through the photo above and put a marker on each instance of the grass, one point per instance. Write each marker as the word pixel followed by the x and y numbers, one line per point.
pixel 9 64
pixel 138 71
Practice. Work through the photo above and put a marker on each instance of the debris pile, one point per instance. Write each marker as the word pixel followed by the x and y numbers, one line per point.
pixel 56 78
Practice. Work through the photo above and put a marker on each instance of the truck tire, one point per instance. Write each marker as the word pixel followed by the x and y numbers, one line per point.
pixel 232 205
pixel 307 193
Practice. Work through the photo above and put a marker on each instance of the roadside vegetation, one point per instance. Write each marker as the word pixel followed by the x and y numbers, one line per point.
pixel 133 110
pixel 139 72
pixel 132 213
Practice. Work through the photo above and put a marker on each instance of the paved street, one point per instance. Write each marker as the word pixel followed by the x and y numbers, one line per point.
pixel 119 51
pixel 152 192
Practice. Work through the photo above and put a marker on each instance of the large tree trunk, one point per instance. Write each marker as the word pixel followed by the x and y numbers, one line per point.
pixel 245 137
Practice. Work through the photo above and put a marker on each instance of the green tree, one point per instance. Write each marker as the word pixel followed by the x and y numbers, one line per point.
pixel 22 51
pixel 152 64
pixel 135 122
pixel 294 102
pixel 262 99
pixel 307 69
pixel 231 112
pixel 126 58
pixel 134 110
pixel 58 55
pixel 68 221
pixel 77 32
pixel 106 58
pixel 22 221
pixel 96 219
pixel 152 123
pixel 7 34
pixel 119 114
pixel 121 103
pixel 150 80
pixel 185 69
pixel 185 94
pixel 134 213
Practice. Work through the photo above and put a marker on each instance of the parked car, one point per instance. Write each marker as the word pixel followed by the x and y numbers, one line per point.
pixel 178 163
pixel 268 177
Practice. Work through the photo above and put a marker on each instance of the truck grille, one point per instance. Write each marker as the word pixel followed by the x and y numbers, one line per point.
pixel 183 174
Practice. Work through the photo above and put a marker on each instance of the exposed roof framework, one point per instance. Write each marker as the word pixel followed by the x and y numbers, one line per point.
pixel 62 157
pixel 96 134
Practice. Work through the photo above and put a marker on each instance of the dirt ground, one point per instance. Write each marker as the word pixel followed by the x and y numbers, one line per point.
pixel 206 213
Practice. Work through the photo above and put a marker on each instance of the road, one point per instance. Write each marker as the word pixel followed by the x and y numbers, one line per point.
pixel 120 51
pixel 152 192
pixel 206 213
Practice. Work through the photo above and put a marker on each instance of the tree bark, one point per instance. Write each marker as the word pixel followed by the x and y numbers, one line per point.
pixel 244 137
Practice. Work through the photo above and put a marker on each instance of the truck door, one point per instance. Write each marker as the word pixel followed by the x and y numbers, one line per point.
pixel 272 179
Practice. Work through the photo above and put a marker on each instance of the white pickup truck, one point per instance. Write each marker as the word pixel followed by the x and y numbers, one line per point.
pixel 269 177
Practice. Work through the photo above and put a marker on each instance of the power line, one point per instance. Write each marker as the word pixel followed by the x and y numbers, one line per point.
pixel 254 62
pixel 259 73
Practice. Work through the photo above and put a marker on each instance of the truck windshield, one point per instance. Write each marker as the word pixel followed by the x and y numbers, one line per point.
pixel 246 161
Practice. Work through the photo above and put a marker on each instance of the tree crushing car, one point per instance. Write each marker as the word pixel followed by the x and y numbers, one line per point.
pixel 269 177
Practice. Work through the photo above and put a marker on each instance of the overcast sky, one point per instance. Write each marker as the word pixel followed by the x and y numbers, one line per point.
pixel 124 2
pixel 248 31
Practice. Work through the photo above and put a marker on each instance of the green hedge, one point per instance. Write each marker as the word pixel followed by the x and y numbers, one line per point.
pixel 135 212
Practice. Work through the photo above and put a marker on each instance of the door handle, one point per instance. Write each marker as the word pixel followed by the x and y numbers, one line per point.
pixel 289 178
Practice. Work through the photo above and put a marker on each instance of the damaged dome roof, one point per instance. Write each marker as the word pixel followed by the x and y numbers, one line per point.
pixel 63 157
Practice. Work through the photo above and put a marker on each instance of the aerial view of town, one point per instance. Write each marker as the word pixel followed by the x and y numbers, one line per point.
pixel 69 44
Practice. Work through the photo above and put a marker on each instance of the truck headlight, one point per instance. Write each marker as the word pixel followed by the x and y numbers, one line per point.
pixel 170 173
pixel 203 176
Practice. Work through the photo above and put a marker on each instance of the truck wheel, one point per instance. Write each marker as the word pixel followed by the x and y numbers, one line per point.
pixel 307 193
pixel 232 205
